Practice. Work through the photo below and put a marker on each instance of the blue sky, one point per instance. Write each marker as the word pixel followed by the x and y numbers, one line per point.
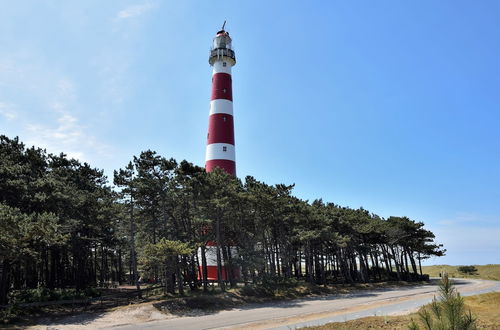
pixel 389 105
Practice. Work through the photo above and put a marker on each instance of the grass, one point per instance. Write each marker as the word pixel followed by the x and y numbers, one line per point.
pixel 486 272
pixel 46 294
pixel 486 307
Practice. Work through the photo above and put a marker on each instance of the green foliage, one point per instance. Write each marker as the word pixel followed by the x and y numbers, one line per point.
pixel 446 313
pixel 164 255
pixel 9 314
pixel 161 252
pixel 470 270
pixel 413 325
pixel 269 286
pixel 256 290
pixel 46 294
pixel 21 234
pixel 53 210
pixel 61 225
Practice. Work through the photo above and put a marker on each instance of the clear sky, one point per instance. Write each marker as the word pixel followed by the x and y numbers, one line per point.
pixel 389 105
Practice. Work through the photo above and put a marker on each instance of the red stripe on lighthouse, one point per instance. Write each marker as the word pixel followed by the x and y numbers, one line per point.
pixel 220 129
pixel 224 164
pixel 212 273
pixel 221 86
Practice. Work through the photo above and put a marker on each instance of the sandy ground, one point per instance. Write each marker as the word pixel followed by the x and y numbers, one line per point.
pixel 262 316
pixel 124 315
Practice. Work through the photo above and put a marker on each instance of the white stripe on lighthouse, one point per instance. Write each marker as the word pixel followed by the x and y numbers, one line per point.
pixel 220 151
pixel 220 68
pixel 221 106
pixel 210 254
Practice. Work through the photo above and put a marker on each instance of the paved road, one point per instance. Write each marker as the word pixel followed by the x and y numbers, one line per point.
pixel 319 310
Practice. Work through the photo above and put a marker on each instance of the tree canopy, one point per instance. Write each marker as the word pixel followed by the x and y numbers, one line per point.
pixel 63 225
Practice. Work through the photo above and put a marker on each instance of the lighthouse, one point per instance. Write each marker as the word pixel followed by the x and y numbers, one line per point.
pixel 220 139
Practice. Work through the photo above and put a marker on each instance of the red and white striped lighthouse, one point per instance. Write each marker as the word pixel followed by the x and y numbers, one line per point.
pixel 220 140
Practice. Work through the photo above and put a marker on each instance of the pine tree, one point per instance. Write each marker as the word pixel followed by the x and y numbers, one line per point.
pixel 447 313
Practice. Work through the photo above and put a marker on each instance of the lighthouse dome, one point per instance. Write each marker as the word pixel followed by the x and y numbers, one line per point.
pixel 222 40
pixel 222 49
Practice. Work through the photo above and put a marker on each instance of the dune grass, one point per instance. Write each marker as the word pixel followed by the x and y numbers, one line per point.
pixel 486 307
pixel 486 272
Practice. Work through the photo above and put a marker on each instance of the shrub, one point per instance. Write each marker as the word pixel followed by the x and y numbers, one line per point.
pixel 269 286
pixel 471 270
pixel 446 313
pixel 255 290
pixel 45 294
pixel 9 314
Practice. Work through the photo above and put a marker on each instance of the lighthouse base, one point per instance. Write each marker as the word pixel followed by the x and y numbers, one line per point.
pixel 212 273
pixel 211 257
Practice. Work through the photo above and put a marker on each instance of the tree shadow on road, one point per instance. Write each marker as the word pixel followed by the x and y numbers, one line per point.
pixel 212 304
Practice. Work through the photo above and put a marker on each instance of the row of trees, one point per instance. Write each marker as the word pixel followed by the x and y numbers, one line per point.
pixel 62 225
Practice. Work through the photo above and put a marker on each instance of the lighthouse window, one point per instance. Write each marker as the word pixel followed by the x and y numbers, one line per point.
pixel 224 148
pixel 223 63
pixel 224 118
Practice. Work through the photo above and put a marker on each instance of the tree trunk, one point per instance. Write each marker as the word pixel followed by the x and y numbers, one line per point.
pixel 420 263
pixel 4 281
pixel 219 258
pixel 204 269
pixel 412 261
pixel 362 270
pixel 120 270
pixel 387 260
pixel 322 267
pixel 178 275
pixel 230 267
pixel 132 250
pixel 167 280
pixel 309 264
pixel 54 258
pixel 193 273
pixel 398 272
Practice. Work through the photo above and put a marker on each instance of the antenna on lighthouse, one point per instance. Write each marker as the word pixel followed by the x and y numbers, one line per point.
pixel 223 25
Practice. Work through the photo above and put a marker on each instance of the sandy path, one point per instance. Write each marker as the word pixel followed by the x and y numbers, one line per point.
pixel 134 314
pixel 284 314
